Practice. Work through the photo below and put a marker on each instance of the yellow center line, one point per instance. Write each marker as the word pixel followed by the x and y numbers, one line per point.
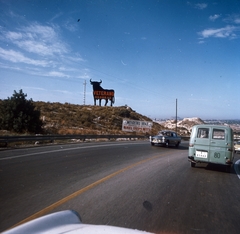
pixel 77 193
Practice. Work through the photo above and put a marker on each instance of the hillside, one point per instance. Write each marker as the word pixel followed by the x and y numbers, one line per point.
pixel 68 118
pixel 184 126
pixel 87 119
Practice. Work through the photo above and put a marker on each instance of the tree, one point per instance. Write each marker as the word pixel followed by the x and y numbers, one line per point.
pixel 19 115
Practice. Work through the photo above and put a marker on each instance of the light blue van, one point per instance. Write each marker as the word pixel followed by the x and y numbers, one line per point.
pixel 211 144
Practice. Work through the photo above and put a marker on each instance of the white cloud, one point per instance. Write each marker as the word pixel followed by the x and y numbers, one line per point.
pixel 44 32
pixel 17 57
pixel 234 18
pixel 36 47
pixel 237 20
pixel 226 32
pixel 201 6
pixel 56 16
pixel 57 74
pixel 71 25
pixel 84 76
pixel 9 67
pixel 76 58
pixel 62 91
pixel 14 36
pixel 214 17
pixel 34 88
pixel 37 39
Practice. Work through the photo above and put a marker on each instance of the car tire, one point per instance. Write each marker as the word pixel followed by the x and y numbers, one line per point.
pixel 167 144
pixel 193 164
pixel 152 144
pixel 177 144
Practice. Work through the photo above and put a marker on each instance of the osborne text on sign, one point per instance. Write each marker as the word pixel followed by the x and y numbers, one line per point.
pixel 136 126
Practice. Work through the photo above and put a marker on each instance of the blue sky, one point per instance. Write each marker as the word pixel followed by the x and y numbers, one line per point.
pixel 151 52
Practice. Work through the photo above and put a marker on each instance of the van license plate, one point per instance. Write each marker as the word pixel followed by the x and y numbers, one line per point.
pixel 201 154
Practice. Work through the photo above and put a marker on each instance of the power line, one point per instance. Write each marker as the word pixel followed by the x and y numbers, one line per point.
pixel 84 92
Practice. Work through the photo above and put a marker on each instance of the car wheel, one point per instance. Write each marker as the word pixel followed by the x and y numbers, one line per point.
pixel 152 143
pixel 167 144
pixel 193 164
pixel 177 144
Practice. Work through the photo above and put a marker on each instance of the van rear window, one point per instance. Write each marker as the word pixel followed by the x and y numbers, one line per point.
pixel 203 133
pixel 218 134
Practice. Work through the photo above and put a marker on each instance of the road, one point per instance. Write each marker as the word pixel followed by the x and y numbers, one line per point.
pixel 127 184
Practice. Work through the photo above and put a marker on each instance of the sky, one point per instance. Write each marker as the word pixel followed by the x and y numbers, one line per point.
pixel 153 53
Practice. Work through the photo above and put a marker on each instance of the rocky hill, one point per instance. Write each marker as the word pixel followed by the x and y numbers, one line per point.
pixel 184 126
pixel 87 119
pixel 68 118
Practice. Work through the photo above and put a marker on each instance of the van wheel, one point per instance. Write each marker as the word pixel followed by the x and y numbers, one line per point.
pixel 228 168
pixel 193 164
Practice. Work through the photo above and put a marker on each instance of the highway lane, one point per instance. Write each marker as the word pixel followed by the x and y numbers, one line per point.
pixel 128 184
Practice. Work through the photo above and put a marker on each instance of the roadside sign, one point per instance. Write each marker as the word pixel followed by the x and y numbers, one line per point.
pixel 136 126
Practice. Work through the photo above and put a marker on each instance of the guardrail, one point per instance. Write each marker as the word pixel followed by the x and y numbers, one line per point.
pixel 10 139
pixel 40 138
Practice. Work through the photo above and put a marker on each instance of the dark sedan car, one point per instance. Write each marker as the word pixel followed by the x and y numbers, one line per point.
pixel 166 138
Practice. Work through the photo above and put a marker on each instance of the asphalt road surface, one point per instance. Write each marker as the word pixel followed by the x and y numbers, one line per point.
pixel 127 184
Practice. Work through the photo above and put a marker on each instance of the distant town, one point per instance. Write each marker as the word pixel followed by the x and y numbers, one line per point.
pixel 186 124
pixel 209 121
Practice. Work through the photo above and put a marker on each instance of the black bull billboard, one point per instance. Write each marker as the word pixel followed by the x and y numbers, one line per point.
pixel 99 93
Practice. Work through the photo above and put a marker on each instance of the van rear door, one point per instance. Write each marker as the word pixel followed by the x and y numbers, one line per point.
pixel 218 146
pixel 202 141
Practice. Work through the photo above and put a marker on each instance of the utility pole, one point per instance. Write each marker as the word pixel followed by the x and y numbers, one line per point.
pixel 176 115
pixel 84 92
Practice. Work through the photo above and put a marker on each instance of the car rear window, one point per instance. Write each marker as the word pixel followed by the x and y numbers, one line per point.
pixel 218 134
pixel 203 133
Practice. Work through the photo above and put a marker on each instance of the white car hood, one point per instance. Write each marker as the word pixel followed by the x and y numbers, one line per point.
pixel 69 222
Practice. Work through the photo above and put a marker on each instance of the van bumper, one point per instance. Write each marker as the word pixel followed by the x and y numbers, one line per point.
pixel 192 160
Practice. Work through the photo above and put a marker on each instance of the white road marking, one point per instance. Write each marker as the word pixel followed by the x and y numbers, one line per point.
pixel 62 149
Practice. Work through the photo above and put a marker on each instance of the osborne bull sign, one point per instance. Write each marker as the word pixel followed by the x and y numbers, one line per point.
pixel 100 93
pixel 136 126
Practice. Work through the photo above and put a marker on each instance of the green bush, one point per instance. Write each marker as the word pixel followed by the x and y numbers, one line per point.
pixel 19 115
